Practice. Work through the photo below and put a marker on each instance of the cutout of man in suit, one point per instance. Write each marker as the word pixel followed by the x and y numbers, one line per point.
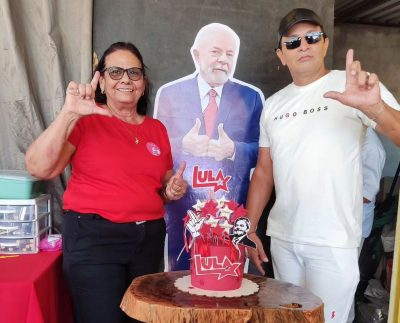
pixel 241 227
pixel 219 158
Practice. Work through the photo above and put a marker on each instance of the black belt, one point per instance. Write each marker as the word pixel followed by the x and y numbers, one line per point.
pixel 94 216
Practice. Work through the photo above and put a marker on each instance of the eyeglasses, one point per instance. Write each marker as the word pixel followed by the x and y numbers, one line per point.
pixel 116 73
pixel 311 38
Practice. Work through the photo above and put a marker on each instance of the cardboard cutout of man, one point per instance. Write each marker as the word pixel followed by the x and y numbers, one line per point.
pixel 212 120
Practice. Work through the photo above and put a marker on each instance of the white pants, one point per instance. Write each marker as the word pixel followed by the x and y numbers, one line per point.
pixel 352 309
pixel 330 273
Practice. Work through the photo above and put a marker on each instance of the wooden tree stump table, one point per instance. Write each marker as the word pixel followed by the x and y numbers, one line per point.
pixel 154 298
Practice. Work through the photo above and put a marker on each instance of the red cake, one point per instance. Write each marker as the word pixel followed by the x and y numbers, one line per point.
pixel 216 262
pixel 218 271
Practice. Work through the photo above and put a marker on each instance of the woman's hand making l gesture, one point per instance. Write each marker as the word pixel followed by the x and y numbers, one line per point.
pixel 80 98
pixel 53 143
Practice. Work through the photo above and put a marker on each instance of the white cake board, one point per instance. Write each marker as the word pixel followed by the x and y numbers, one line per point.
pixel 248 287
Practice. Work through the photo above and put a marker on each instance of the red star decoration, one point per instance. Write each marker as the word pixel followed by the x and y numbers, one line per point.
pixel 210 208
pixel 222 182
pixel 230 268
pixel 232 205
pixel 240 212
pixel 205 230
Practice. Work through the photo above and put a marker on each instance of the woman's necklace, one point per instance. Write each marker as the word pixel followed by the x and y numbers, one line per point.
pixel 121 118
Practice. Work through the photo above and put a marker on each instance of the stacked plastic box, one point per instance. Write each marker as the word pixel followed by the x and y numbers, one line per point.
pixel 23 223
pixel 25 216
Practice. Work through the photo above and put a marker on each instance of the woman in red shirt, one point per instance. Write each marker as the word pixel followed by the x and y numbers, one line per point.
pixel 113 229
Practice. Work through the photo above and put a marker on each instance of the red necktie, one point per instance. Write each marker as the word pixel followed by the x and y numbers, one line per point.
pixel 210 113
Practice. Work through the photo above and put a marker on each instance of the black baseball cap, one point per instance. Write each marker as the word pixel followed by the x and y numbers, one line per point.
pixel 295 16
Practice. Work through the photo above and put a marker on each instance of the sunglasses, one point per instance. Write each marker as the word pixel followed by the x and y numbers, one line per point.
pixel 311 38
pixel 116 73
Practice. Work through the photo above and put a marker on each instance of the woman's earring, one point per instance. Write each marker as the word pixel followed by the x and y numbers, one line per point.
pixel 102 91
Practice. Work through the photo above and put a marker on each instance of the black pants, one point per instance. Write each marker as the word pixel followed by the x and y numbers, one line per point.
pixel 101 258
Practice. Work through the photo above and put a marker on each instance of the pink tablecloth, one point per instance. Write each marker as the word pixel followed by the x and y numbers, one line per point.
pixel 33 290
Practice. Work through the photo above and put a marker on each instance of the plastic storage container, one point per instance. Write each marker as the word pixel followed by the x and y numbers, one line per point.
pixel 18 184
pixel 24 229
pixel 23 223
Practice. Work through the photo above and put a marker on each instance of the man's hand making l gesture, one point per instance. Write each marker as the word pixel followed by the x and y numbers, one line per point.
pixel 362 89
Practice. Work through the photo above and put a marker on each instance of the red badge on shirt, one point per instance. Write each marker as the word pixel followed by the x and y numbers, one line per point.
pixel 153 149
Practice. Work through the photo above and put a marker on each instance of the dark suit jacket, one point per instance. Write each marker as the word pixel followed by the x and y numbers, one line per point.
pixel 177 106
pixel 244 240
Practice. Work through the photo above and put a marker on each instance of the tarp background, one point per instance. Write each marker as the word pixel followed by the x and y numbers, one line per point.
pixel 44 45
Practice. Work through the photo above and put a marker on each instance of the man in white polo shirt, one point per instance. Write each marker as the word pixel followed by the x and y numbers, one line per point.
pixel 311 133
